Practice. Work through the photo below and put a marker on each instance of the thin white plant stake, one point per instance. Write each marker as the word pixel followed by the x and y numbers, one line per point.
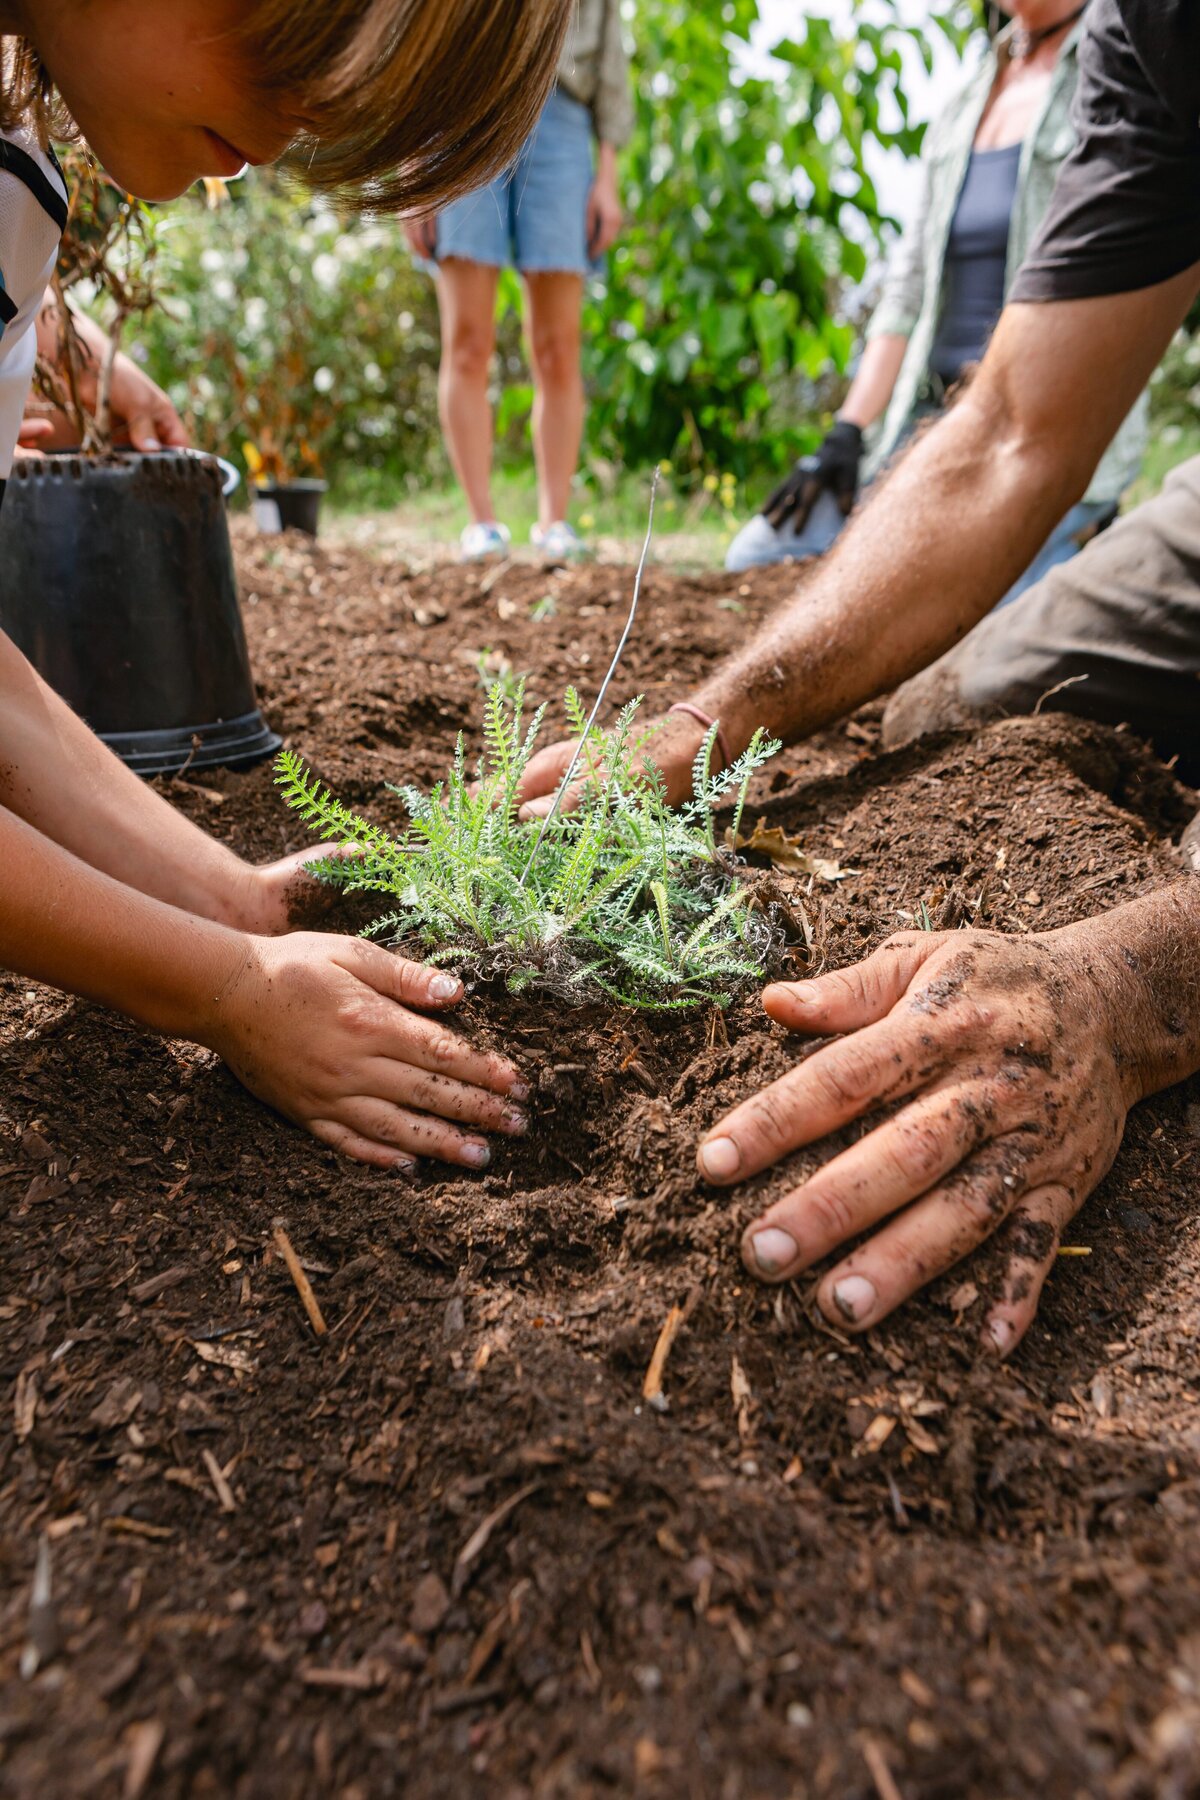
pixel 565 783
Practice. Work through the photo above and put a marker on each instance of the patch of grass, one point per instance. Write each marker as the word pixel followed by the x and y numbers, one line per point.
pixel 627 897
pixel 604 505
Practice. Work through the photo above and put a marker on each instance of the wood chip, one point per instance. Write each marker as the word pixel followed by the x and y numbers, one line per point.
pixel 361 1679
pixel 881 1775
pixel 145 1742
pixel 917 1690
pixel 922 1440
pixel 217 1476
pixel 303 1286
pixel 876 1435
pixel 155 1285
pixel 590 1665
pixel 25 1399
pixel 652 1386
pixel 475 1545
pixel 487 1643
pixel 743 1399
pixel 224 1355
pixel 61 1528
pixel 121 1522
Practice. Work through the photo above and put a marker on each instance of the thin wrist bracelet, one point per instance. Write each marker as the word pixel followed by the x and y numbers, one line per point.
pixel 702 718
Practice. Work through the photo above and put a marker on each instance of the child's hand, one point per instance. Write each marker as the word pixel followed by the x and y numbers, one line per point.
pixel 320 1028
pixel 283 896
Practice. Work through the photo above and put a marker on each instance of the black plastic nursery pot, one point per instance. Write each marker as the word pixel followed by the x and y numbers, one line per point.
pixel 289 505
pixel 116 580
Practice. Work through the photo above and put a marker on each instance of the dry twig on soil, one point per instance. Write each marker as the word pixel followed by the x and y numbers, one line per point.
pixel 316 1319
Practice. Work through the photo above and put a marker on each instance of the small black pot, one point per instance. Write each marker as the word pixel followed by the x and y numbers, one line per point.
pixel 295 505
pixel 116 580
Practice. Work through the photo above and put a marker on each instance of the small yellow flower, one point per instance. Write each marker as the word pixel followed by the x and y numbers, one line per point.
pixel 711 484
pixel 666 468
pixel 586 521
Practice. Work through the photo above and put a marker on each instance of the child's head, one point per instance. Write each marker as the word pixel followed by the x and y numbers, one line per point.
pixel 404 101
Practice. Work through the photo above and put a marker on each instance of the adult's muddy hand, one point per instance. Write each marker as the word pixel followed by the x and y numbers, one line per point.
pixel 671 750
pixel 323 1029
pixel 1016 1060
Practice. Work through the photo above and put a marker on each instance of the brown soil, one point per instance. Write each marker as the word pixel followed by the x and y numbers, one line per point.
pixel 457 1554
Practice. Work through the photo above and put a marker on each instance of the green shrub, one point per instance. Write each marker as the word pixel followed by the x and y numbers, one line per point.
pixel 285 326
pixel 626 897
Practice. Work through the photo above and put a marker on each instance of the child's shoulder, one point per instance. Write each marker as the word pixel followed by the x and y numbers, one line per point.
pixel 29 170
pixel 33 213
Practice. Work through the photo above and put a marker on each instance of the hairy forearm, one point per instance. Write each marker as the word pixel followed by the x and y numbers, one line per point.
pixel 1144 958
pixel 871 390
pixel 57 776
pixel 66 924
pixel 936 546
pixel 960 518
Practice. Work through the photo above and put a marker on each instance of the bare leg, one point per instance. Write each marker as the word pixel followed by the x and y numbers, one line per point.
pixel 467 303
pixel 555 305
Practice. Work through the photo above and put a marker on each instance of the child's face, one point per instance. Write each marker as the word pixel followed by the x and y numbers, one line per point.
pixel 156 90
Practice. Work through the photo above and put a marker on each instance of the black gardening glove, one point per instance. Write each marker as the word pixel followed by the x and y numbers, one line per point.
pixel 835 466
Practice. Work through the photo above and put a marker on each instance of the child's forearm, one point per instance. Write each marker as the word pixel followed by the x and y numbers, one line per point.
pixel 57 776
pixel 65 923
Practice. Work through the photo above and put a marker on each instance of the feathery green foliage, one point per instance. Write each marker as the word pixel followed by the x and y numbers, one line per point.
pixel 626 897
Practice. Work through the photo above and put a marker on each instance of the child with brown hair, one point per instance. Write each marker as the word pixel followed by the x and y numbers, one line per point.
pixel 108 891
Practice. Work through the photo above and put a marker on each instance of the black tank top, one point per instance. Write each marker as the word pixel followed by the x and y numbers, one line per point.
pixel 976 257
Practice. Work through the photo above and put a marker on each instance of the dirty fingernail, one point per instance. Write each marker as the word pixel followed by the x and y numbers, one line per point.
pixel 773 1250
pixel 403 1165
pixel 720 1159
pixel 854 1296
pixel 151 443
pixel 1000 1334
pixel 519 1089
pixel 515 1121
pixel 477 1154
pixel 443 987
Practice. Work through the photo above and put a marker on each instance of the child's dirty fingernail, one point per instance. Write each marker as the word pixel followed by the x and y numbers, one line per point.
pixel 1000 1335
pixel 479 1155
pixel 519 1089
pixel 720 1159
pixel 855 1297
pixel 774 1250
pixel 403 1165
pixel 444 987
pixel 515 1121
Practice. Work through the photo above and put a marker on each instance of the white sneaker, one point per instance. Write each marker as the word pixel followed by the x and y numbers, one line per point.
pixel 478 541
pixel 558 543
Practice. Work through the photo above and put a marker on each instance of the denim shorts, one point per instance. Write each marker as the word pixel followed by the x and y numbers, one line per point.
pixel 535 214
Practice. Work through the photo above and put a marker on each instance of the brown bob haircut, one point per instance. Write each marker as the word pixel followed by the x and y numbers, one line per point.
pixel 406 103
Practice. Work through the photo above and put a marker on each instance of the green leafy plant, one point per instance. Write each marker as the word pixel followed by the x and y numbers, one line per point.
pixel 627 897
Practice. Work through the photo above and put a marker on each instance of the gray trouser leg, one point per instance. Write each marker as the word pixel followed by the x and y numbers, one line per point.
pixel 1120 623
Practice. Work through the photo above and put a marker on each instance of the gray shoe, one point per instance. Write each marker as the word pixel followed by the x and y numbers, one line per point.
pixel 1189 846
pixel 759 543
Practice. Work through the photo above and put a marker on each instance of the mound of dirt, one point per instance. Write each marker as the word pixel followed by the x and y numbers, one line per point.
pixel 448 1549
